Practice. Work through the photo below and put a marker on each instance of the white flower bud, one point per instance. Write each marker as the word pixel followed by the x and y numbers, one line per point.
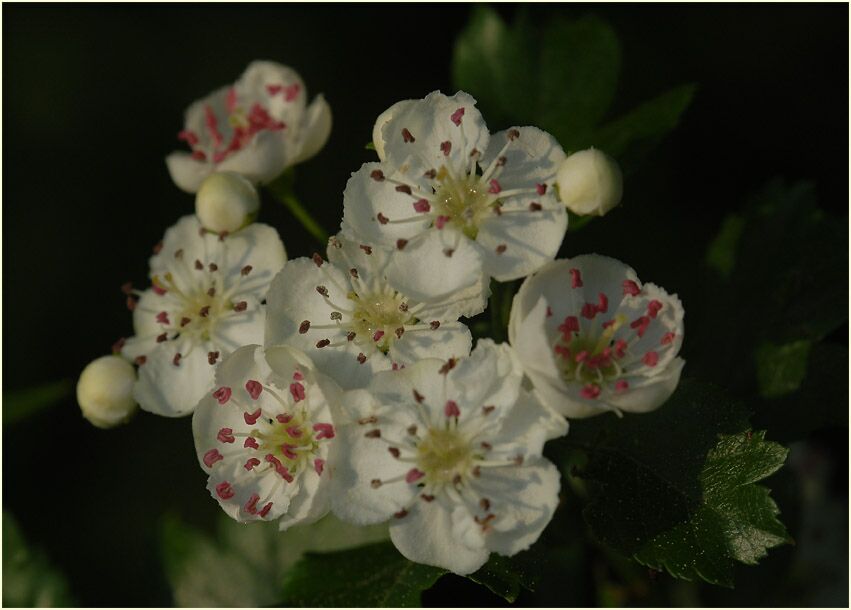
pixel 589 182
pixel 105 391
pixel 226 202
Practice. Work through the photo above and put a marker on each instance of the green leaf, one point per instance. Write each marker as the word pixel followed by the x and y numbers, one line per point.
pixel 245 564
pixel 579 67
pixel 507 576
pixel 496 64
pixel 780 369
pixel 20 404
pixel 561 77
pixel 791 264
pixel 369 146
pixel 720 255
pixel 633 134
pixel 675 488
pixel 374 575
pixel 29 580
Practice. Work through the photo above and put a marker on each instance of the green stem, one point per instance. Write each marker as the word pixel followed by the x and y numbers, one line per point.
pixel 282 188
pixel 304 217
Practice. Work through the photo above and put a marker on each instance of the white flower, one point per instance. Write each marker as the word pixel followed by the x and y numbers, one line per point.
pixel 265 436
pixel 256 127
pixel 204 303
pixel 589 182
pixel 353 319
pixel 226 202
pixel 592 338
pixel 454 198
pixel 105 391
pixel 451 450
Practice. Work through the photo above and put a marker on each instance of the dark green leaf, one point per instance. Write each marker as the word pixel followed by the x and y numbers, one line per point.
pixel 675 488
pixel 721 254
pixel 245 564
pixel 633 134
pixel 507 576
pixel 29 580
pixel 20 404
pixel 579 66
pixel 374 575
pixel 496 64
pixel 780 369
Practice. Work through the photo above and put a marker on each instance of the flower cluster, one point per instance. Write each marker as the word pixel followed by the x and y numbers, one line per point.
pixel 349 382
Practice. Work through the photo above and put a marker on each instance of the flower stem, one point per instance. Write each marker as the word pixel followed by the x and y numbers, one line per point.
pixel 282 189
pixel 306 220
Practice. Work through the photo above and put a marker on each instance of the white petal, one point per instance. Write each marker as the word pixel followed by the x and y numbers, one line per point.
pixel 564 399
pixel 186 172
pixel 491 377
pixel 517 244
pixel 261 73
pixel 383 118
pixel 524 499
pixel 530 160
pixel 169 390
pixel 423 272
pixel 428 534
pixel 527 425
pixel 258 246
pixel 361 460
pixel 528 335
pixel 370 260
pixel 314 130
pixel 240 328
pixel 649 394
pixel 365 198
pixel 450 340
pixel 429 121
pixel 261 160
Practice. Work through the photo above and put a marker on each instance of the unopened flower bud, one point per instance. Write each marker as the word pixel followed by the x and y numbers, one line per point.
pixel 226 202
pixel 589 182
pixel 105 391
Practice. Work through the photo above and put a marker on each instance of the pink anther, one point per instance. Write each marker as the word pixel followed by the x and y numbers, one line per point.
pixel 250 463
pixel 456 116
pixel 253 388
pixel 223 394
pixel 297 391
pixel 251 506
pixel 251 443
pixel 450 409
pixel 224 490
pixel 323 431
pixel 225 435
pixel 211 457
pixel 653 308
pixel 650 358
pixel 414 475
pixel 422 206
pixel 319 465
pixel 630 288
pixel 251 418
pixel 590 391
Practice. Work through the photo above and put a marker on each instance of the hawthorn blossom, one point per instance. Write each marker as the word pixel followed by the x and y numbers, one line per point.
pixel 204 302
pixel 593 338
pixel 265 436
pixel 353 317
pixel 256 127
pixel 455 198
pixel 451 451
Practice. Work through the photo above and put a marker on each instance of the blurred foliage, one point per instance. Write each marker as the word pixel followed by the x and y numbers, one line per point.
pixel 20 404
pixel 561 77
pixel 244 564
pixel 29 579
pixel 778 285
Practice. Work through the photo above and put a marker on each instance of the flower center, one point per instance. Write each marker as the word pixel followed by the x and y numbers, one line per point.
pixel 590 359
pixel 465 202
pixel 291 441
pixel 379 316
pixel 443 454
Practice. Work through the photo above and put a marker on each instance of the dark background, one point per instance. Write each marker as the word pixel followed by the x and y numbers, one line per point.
pixel 94 97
